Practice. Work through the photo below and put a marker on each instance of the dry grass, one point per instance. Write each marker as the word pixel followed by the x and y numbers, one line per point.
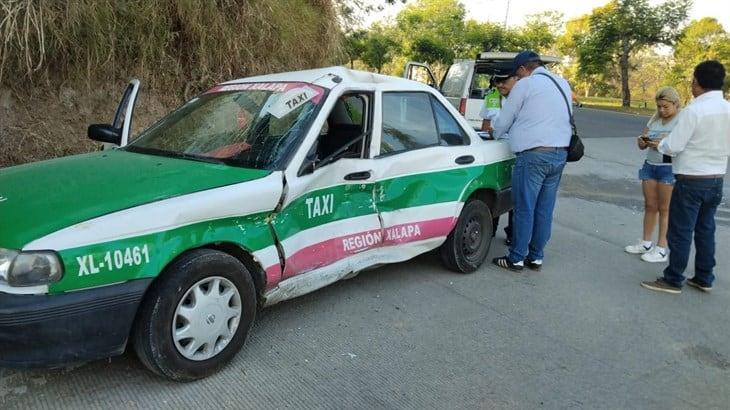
pixel 168 41
pixel 89 48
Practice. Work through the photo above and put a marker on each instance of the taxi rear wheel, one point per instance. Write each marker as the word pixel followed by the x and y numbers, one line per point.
pixel 467 245
pixel 196 317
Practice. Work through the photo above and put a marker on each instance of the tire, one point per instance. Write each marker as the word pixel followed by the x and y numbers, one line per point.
pixel 175 297
pixel 468 244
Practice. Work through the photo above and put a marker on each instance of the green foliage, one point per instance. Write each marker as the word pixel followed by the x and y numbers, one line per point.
pixel 430 48
pixel 436 32
pixel 649 70
pixel 355 45
pixel 701 40
pixel 480 37
pixel 431 30
pixel 539 33
pixel 622 27
pixel 350 13
pixel 378 48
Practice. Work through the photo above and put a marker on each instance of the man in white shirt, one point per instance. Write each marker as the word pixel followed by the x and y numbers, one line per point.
pixel 700 145
pixel 537 119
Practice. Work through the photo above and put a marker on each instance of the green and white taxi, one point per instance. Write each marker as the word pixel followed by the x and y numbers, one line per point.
pixel 256 191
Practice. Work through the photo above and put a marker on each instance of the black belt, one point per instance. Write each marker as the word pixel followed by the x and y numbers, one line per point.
pixel 546 149
pixel 683 176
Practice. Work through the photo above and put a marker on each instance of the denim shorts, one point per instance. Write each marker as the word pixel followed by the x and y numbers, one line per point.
pixel 659 173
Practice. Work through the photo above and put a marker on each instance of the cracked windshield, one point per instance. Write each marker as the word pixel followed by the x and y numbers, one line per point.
pixel 250 125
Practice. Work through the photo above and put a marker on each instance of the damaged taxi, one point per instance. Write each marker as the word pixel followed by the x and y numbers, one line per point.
pixel 256 191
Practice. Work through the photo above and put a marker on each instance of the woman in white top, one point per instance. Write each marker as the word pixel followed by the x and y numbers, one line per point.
pixel 657 179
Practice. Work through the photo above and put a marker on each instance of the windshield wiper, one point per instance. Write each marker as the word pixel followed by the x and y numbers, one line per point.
pixel 194 157
pixel 173 154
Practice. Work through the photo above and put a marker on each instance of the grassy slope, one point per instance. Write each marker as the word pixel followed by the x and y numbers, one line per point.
pixel 65 64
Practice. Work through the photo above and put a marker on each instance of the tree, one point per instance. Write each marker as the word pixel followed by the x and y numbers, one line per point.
pixel 428 47
pixel 355 45
pixel 378 48
pixel 622 27
pixel 539 33
pixel 703 39
pixel 350 13
pixel 432 30
pixel 587 82
pixel 480 37
pixel 649 72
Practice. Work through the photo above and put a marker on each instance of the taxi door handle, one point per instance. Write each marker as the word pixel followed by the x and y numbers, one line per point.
pixel 464 159
pixel 358 176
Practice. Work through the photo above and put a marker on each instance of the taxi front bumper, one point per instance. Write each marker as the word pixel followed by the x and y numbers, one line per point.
pixel 53 330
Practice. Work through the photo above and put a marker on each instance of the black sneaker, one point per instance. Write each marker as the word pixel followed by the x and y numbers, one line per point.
pixel 504 263
pixel 660 285
pixel 535 265
pixel 693 282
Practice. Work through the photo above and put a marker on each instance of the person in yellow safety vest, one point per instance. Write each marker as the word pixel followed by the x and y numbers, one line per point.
pixel 490 108
pixel 495 98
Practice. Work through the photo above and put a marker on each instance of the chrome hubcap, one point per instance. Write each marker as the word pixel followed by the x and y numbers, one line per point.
pixel 206 318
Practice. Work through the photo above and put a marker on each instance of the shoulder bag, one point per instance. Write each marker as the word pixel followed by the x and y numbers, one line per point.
pixel 575 149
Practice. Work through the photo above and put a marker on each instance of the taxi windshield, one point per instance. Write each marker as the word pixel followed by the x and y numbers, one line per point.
pixel 252 125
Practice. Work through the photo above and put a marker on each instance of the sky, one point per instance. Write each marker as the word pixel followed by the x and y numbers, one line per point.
pixel 496 10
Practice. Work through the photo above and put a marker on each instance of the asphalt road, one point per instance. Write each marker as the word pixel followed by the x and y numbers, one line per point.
pixel 579 334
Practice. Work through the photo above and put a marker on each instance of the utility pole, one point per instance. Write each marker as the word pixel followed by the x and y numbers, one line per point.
pixel 506 15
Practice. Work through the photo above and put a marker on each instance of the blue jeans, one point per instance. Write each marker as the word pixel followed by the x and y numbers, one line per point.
pixel 692 210
pixel 535 179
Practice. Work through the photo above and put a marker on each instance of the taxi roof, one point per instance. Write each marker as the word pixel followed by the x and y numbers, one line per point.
pixel 346 76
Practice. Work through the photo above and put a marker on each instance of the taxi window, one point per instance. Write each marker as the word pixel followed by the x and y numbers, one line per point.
pixel 453 84
pixel 450 131
pixel 344 133
pixel 408 122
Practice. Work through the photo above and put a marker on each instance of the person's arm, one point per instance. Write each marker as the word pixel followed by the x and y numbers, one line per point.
pixel 486 125
pixel 677 140
pixel 640 140
pixel 507 115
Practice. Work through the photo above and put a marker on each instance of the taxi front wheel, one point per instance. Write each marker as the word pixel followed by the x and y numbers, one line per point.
pixel 196 316
pixel 467 245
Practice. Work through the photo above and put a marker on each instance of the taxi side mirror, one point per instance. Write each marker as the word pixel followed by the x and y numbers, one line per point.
pixel 105 133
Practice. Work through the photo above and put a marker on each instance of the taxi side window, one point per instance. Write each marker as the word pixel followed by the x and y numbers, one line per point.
pixel 408 122
pixel 455 80
pixel 346 131
pixel 449 129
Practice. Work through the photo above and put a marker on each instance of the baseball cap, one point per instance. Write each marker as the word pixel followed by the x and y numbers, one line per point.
pixel 501 75
pixel 523 58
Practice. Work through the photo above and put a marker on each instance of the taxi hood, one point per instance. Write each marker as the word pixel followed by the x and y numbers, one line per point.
pixel 40 198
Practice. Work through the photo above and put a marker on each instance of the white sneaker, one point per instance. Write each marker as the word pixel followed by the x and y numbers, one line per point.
pixel 657 254
pixel 640 247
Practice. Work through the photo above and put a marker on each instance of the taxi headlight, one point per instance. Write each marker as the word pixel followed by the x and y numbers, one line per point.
pixel 29 268
pixel 6 258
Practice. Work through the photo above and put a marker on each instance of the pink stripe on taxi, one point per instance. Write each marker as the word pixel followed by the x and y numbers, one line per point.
pixel 332 250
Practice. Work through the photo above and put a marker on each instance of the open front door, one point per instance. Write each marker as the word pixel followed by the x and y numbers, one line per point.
pixel 420 72
pixel 123 116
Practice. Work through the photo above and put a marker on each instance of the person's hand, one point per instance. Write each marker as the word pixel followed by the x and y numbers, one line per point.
pixel 641 142
pixel 653 144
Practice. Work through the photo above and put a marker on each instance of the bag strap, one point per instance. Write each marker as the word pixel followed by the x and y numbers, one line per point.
pixel 570 112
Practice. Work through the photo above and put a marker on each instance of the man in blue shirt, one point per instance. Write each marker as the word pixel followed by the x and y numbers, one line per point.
pixel 537 119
